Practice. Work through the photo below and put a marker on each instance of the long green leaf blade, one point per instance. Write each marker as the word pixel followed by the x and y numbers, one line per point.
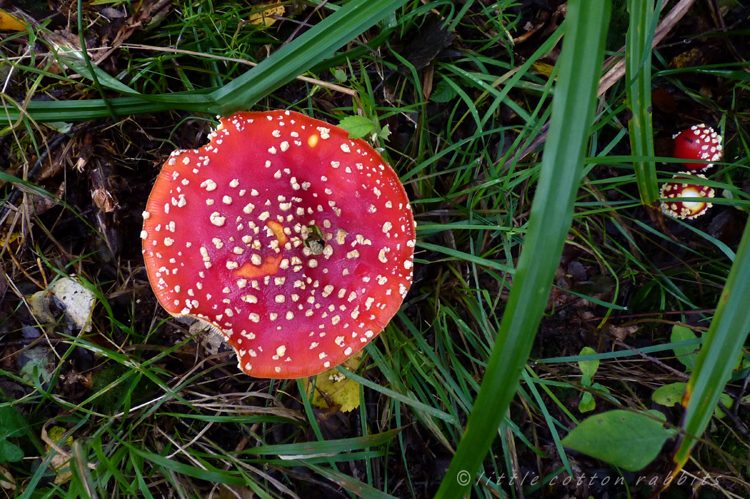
pixel 719 353
pixel 638 72
pixel 551 215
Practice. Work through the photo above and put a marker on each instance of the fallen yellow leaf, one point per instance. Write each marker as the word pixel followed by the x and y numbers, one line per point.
pixel 543 68
pixel 60 463
pixel 12 238
pixel 341 390
pixel 265 16
pixel 11 23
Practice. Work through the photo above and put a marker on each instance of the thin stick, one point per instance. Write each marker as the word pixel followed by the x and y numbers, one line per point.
pixel 303 23
pixel 664 27
pixel 314 81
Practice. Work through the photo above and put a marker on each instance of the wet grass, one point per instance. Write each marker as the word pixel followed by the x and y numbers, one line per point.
pixel 147 408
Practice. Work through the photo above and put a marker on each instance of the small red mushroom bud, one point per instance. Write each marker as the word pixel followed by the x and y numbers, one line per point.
pixel 699 142
pixel 294 241
pixel 685 209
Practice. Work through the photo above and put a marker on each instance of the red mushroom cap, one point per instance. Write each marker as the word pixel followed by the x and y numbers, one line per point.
pixel 294 241
pixel 699 142
pixel 685 209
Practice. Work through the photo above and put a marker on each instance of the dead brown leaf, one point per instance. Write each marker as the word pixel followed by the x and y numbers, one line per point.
pixel 621 332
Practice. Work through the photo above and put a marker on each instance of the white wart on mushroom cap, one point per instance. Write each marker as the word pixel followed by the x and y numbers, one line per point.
pixel 293 240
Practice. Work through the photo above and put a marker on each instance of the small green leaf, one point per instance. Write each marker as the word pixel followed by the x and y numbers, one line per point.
pixel 74 60
pixel 36 366
pixel 587 403
pixel 588 367
pixel 728 403
pixel 443 92
pixel 601 388
pixel 586 380
pixel 340 75
pixel 621 438
pixel 11 423
pixel 357 126
pixel 384 133
pixel 60 126
pixel 10 452
pixel 742 363
pixel 669 395
pixel 686 355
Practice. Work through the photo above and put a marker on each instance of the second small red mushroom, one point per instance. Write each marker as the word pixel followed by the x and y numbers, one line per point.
pixel 683 189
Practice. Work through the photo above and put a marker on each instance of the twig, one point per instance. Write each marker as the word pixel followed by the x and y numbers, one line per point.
pixel 664 27
pixel 652 359
pixel 23 270
pixel 713 6
pixel 189 444
pixel 739 425
pixel 313 81
pixel 303 23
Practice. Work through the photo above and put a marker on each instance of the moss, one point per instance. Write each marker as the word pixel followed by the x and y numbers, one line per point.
pixel 135 387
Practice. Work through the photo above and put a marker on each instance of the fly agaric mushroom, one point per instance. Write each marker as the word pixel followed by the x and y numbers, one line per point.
pixel 685 209
pixel 699 142
pixel 292 240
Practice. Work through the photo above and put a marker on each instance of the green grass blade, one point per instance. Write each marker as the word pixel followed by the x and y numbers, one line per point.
pixel 79 465
pixel 467 257
pixel 314 46
pixel 74 60
pixel 212 475
pixel 548 418
pixel 638 71
pixel 349 484
pixel 90 67
pixel 323 447
pixel 720 351
pixel 309 49
pixel 551 215
pixel 401 398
